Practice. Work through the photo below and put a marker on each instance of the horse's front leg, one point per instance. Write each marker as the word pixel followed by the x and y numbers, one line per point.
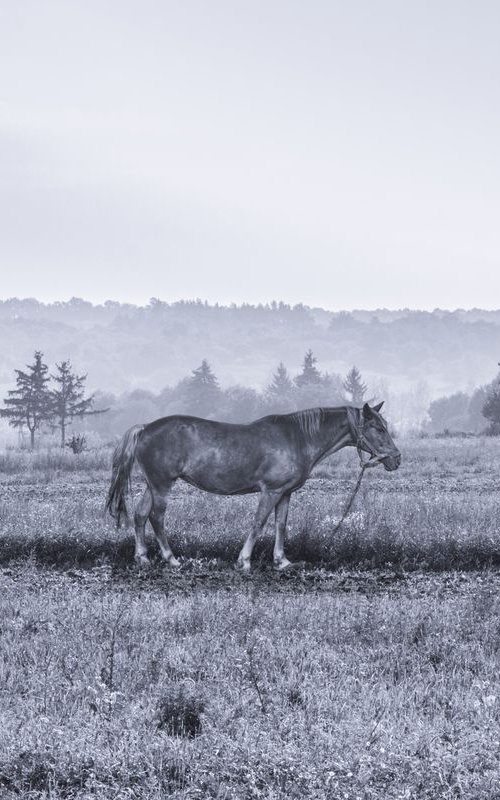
pixel 267 502
pixel 280 561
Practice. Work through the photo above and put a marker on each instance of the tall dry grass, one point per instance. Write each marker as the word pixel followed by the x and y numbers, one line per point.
pixel 53 459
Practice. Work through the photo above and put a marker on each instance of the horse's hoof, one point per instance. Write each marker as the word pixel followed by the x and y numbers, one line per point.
pixel 172 562
pixel 243 565
pixel 142 562
pixel 282 564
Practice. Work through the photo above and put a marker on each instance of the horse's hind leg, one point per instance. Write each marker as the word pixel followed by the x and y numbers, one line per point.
pixel 280 561
pixel 141 515
pixel 157 520
pixel 267 502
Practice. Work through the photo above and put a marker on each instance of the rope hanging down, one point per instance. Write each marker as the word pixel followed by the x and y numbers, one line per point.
pixel 372 462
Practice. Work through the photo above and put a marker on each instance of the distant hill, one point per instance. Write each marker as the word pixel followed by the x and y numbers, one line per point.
pixel 123 347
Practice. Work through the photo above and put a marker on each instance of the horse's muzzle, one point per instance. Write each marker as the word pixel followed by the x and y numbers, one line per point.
pixel 392 462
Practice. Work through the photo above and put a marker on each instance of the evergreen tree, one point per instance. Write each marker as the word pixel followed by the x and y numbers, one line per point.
pixel 29 404
pixel 281 385
pixel 68 399
pixel 354 386
pixel 312 388
pixel 279 393
pixel 203 393
pixel 310 374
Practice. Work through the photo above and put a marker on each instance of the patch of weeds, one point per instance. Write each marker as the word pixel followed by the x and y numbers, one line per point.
pixel 294 698
pixel 180 713
pixel 37 773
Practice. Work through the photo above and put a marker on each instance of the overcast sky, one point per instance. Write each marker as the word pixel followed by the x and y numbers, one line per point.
pixel 340 154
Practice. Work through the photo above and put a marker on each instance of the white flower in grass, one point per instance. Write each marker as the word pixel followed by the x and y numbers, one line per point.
pixel 489 700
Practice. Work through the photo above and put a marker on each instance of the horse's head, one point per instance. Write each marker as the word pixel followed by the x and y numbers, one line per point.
pixel 375 439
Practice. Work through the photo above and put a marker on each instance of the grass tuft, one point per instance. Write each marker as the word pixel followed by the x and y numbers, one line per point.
pixel 179 714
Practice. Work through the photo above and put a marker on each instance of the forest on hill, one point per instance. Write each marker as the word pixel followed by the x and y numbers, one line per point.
pixel 122 346
pixel 138 353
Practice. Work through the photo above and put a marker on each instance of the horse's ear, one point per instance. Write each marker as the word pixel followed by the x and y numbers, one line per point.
pixel 378 406
pixel 367 412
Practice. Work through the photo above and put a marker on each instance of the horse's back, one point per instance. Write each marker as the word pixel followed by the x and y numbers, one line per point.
pixel 206 429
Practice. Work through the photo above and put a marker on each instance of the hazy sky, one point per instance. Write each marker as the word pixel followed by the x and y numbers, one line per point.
pixel 340 154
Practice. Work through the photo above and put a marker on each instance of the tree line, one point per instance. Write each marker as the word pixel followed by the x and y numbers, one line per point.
pixel 54 401
pixel 42 401
pixel 201 394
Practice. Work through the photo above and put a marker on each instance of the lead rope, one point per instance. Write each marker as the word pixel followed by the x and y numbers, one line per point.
pixel 372 462
pixel 351 499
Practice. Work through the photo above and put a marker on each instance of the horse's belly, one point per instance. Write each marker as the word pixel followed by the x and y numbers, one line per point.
pixel 224 472
pixel 237 473
pixel 220 486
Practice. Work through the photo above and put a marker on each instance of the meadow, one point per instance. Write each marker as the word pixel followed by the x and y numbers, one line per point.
pixel 369 671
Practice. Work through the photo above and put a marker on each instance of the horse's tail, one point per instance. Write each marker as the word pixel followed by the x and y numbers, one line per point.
pixel 123 461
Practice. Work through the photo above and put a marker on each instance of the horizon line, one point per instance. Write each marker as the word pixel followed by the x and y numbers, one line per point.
pixel 241 304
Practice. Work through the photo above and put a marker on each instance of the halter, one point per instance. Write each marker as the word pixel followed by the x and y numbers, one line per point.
pixel 357 429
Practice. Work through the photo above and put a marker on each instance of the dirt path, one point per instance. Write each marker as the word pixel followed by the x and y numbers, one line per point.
pixel 197 575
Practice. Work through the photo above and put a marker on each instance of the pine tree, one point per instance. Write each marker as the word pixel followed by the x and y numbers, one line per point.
pixel 29 404
pixel 203 393
pixel 310 374
pixel 281 385
pixel 68 400
pixel 354 386
pixel 279 394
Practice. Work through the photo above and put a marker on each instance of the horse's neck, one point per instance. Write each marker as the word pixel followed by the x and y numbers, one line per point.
pixel 334 434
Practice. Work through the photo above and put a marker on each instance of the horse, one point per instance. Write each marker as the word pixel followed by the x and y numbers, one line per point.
pixel 273 455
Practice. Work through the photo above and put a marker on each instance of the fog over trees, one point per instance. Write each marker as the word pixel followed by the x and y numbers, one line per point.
pixel 191 357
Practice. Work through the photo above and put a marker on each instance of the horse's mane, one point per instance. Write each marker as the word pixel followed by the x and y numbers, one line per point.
pixel 308 421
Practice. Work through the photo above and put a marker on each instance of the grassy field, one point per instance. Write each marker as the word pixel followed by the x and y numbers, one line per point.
pixel 369 672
